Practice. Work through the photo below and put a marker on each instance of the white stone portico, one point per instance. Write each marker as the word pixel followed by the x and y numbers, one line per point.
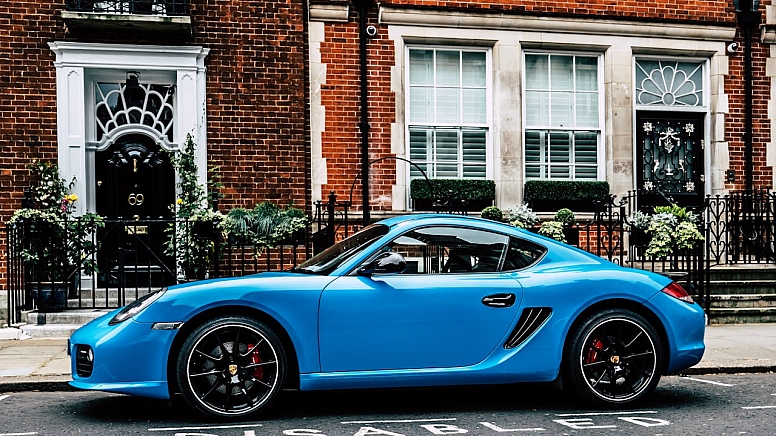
pixel 79 66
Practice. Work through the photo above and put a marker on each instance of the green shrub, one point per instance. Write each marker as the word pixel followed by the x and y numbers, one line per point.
pixel 492 213
pixel 564 190
pixel 462 189
pixel 565 216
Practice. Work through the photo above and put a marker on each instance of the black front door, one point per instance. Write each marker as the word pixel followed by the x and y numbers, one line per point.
pixel 670 158
pixel 135 186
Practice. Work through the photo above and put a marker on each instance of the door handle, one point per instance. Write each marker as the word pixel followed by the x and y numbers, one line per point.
pixel 499 300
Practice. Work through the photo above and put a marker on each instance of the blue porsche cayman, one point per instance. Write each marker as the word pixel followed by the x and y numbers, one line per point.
pixel 421 300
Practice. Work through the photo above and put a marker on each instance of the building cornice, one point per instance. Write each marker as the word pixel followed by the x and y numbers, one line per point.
pixel 408 16
pixel 332 11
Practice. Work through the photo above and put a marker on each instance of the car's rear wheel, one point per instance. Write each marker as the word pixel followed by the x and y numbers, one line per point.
pixel 231 367
pixel 614 358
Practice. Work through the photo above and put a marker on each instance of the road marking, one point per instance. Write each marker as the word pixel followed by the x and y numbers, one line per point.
pixel 707 381
pixel 759 407
pixel 3 397
pixel 636 412
pixel 18 434
pixel 203 428
pixel 399 421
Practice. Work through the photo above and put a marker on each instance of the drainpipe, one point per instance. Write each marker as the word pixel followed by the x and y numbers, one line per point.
pixel 364 124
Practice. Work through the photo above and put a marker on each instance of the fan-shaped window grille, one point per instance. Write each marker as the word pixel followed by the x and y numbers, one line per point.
pixel 669 83
pixel 144 104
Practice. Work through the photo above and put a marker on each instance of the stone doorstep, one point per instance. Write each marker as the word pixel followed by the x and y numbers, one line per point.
pixel 763 301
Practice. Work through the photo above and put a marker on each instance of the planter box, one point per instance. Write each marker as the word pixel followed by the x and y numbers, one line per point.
pixel 49 296
pixel 426 205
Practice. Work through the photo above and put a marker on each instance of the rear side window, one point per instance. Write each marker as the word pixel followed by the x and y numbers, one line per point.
pixel 522 254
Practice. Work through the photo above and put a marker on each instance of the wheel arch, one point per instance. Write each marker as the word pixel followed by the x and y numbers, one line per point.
pixel 292 381
pixel 626 304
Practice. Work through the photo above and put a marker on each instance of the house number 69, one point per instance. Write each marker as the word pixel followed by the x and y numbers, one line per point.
pixel 135 199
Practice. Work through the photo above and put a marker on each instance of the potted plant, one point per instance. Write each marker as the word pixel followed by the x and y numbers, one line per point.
pixel 671 229
pixel 521 216
pixel 56 247
pixel 567 219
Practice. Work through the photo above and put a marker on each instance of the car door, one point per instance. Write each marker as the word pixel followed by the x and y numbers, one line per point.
pixel 450 308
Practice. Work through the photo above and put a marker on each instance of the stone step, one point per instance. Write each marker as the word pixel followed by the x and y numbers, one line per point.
pixel 743 300
pixel 745 272
pixel 74 317
pixel 734 287
pixel 742 315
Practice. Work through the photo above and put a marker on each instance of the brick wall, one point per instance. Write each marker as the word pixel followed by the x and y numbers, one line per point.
pixel 256 95
pixel 341 98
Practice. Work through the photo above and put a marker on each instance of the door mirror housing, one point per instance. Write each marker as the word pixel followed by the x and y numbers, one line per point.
pixel 386 263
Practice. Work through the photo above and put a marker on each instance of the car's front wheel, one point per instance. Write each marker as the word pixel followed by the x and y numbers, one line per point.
pixel 614 358
pixel 231 367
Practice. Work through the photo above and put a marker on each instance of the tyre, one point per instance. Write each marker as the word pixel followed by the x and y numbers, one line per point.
pixel 614 358
pixel 231 367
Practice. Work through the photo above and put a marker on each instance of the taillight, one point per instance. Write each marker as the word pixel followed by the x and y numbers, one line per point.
pixel 677 291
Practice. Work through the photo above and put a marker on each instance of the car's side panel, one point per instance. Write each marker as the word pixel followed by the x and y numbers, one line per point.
pixel 413 321
pixel 290 299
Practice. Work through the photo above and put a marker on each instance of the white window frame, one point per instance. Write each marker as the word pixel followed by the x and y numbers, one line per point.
pixel 488 124
pixel 600 154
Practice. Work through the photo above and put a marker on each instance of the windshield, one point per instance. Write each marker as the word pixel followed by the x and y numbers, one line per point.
pixel 328 260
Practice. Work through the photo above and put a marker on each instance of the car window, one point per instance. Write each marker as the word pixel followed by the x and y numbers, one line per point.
pixel 522 254
pixel 329 259
pixel 450 250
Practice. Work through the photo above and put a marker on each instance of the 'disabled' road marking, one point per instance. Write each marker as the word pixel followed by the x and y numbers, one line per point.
pixel 708 381
pixel 3 397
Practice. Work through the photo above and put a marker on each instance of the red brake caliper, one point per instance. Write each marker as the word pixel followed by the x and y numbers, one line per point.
pixel 592 353
pixel 258 372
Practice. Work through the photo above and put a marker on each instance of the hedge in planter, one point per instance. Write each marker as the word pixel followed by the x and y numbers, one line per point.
pixel 477 193
pixel 551 195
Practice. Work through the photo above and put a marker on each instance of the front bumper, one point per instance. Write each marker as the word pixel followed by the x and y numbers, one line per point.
pixel 128 358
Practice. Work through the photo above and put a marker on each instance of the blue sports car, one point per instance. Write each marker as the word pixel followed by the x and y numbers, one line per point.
pixel 420 300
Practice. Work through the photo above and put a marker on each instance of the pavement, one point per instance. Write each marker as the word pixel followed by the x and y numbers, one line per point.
pixel 43 363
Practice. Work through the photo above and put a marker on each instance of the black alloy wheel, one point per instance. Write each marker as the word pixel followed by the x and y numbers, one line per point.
pixel 231 367
pixel 615 358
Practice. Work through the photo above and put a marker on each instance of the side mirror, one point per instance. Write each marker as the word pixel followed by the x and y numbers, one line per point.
pixel 386 263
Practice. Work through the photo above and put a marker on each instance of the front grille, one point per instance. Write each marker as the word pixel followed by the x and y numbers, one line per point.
pixel 84 360
pixel 530 320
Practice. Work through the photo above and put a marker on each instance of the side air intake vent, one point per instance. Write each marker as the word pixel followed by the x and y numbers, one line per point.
pixel 530 320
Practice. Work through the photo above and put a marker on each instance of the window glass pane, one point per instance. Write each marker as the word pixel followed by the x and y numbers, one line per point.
pixel 561 78
pixel 534 146
pixel 474 172
pixel 474 69
pixel 585 173
pixel 448 105
pixel 587 110
pixel 448 68
pixel 561 109
pixel 669 83
pixel 533 172
pixel 537 71
pixel 560 147
pixel 474 110
pixel 421 67
pixel 420 143
pixel 446 171
pixel 474 145
pixel 587 73
pixel 537 108
pixel 421 105
pixel 447 145
pixel 559 172
pixel 585 147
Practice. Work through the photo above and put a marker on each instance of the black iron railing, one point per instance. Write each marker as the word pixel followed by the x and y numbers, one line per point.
pixel 738 228
pixel 146 7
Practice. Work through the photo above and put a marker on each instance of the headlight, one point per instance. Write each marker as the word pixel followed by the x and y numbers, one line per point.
pixel 136 307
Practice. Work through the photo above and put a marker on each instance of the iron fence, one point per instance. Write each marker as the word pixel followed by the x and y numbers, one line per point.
pixel 125 259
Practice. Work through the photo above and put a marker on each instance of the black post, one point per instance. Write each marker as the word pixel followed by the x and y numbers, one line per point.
pixel 748 17
pixel 363 37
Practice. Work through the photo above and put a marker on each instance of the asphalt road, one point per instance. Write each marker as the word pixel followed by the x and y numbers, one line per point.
pixel 709 405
